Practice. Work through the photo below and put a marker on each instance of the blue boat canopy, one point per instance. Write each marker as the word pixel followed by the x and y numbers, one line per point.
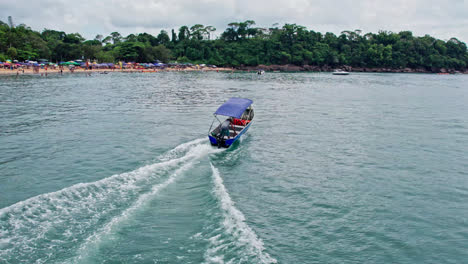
pixel 234 107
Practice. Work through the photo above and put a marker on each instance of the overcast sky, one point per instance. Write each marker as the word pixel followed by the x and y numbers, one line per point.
pixel 441 19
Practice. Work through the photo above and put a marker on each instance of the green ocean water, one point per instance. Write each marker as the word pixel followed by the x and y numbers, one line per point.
pixel 117 168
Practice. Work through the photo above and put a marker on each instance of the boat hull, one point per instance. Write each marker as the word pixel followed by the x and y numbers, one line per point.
pixel 229 142
pixel 340 73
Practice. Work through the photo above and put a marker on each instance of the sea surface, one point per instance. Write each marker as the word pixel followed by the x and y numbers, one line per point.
pixel 117 168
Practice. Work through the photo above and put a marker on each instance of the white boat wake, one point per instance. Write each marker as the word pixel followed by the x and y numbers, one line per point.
pixel 235 233
pixel 33 230
pixel 69 225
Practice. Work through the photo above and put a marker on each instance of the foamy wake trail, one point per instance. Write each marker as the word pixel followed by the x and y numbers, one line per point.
pixel 39 228
pixel 235 240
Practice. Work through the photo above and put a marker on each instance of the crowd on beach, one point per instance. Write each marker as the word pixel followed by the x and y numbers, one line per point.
pixel 45 67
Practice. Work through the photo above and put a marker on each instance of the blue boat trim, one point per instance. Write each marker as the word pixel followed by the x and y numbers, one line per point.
pixel 230 141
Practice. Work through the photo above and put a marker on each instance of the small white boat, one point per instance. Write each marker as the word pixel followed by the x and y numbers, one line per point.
pixel 260 72
pixel 340 72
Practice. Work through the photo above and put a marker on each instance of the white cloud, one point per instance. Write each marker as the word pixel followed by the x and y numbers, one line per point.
pixel 442 19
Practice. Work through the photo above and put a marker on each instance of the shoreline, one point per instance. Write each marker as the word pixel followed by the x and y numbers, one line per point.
pixel 326 68
pixel 42 72
pixel 268 68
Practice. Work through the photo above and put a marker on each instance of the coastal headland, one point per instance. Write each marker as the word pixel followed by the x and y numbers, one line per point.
pixel 242 46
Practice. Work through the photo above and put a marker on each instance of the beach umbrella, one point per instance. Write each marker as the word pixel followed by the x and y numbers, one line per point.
pixel 73 63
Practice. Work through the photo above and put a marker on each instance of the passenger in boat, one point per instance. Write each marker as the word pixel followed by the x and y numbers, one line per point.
pixel 225 128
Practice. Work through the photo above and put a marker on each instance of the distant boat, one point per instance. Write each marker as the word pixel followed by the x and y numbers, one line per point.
pixel 239 113
pixel 260 72
pixel 340 72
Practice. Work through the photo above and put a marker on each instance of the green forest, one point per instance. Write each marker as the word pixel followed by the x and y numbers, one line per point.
pixel 240 44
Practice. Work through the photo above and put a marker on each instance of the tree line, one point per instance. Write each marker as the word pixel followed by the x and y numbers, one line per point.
pixel 241 43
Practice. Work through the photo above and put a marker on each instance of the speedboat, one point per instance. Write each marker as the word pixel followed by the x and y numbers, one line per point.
pixel 234 118
pixel 340 72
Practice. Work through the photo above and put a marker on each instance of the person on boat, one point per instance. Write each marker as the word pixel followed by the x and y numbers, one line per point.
pixel 225 128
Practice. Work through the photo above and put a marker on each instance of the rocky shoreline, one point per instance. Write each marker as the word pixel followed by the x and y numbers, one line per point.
pixel 312 68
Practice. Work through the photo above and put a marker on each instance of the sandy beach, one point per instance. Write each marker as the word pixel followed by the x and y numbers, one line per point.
pixel 43 72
